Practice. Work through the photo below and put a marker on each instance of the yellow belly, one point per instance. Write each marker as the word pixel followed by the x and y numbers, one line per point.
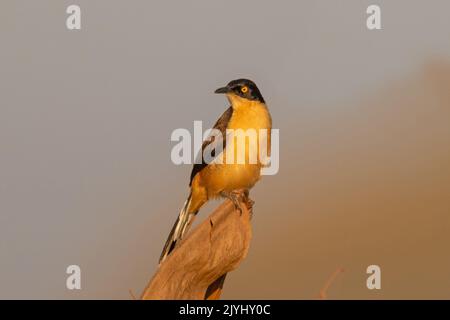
pixel 216 178
pixel 229 177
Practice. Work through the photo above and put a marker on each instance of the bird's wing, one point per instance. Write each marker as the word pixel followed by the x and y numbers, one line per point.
pixel 220 125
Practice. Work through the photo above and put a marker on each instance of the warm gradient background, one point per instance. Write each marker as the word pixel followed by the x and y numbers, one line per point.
pixel 86 118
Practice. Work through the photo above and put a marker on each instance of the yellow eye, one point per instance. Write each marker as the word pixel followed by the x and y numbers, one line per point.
pixel 244 89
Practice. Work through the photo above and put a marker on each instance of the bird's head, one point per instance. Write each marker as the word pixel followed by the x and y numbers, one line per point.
pixel 241 90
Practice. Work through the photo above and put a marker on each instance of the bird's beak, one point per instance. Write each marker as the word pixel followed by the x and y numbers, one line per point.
pixel 222 90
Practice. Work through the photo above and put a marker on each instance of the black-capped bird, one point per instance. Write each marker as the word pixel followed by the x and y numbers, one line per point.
pixel 248 110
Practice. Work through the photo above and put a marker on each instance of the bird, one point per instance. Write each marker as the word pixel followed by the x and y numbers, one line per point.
pixel 247 110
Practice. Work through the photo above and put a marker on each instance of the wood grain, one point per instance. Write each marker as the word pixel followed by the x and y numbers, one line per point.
pixel 196 269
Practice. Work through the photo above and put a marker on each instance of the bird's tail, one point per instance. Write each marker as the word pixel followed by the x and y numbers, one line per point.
pixel 180 227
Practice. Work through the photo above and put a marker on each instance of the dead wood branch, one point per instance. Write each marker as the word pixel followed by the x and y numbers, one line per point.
pixel 324 291
pixel 196 269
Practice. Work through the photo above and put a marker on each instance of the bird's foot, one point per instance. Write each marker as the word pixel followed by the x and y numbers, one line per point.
pixel 248 202
pixel 236 196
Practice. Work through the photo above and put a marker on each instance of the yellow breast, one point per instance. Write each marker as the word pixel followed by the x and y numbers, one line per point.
pixel 219 177
pixel 249 114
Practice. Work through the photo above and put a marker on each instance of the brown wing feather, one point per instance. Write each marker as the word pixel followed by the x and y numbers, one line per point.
pixel 221 125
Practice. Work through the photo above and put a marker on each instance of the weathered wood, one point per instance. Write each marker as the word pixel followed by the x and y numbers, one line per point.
pixel 202 260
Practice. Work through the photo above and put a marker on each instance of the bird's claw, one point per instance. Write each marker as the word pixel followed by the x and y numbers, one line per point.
pixel 236 196
pixel 237 204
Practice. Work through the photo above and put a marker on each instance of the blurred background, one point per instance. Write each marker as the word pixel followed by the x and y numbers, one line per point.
pixel 86 117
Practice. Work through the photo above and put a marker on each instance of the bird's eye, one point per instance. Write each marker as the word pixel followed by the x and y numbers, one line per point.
pixel 244 89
